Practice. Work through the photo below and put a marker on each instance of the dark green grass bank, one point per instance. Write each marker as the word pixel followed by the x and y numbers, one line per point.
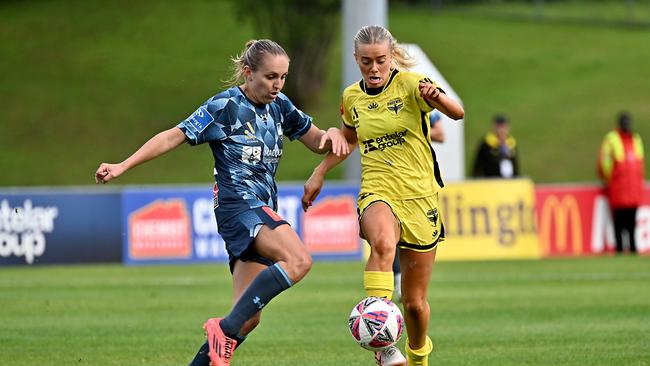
pixel 552 312
pixel 90 81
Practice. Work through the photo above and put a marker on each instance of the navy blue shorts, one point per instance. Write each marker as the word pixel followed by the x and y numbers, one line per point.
pixel 240 230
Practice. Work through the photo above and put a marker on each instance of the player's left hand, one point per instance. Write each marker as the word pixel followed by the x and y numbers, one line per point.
pixel 312 190
pixel 429 91
pixel 339 145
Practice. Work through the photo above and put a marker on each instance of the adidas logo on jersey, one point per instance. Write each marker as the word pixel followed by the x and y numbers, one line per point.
pixel 373 105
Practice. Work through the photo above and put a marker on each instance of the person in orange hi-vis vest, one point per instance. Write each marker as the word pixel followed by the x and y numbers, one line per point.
pixel 621 167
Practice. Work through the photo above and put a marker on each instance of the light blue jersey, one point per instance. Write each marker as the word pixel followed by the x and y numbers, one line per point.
pixel 246 142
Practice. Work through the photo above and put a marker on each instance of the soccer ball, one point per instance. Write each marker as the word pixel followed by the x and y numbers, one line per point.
pixel 376 323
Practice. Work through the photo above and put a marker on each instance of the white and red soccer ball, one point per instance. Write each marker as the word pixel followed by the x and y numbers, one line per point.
pixel 376 323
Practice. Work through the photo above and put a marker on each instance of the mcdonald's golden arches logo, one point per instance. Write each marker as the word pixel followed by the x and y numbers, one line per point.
pixel 561 212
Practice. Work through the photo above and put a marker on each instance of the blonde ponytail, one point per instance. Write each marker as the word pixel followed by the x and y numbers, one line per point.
pixel 252 56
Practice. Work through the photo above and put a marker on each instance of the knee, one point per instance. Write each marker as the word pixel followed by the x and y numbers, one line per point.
pixel 298 266
pixel 384 249
pixel 303 264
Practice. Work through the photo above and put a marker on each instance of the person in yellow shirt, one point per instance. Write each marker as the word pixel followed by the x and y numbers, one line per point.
pixel 497 155
pixel 436 134
pixel 386 114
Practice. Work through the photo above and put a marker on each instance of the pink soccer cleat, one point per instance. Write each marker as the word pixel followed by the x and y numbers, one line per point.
pixel 220 346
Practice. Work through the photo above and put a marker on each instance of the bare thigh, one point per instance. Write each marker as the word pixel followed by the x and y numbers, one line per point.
pixel 283 246
pixel 279 244
pixel 380 227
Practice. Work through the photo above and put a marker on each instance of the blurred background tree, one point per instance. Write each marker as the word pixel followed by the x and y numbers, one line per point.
pixel 90 81
pixel 306 30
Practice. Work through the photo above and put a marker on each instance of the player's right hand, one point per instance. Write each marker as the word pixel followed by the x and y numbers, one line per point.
pixel 311 190
pixel 428 91
pixel 107 172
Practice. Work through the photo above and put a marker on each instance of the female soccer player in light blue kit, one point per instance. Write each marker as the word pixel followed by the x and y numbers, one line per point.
pixel 244 127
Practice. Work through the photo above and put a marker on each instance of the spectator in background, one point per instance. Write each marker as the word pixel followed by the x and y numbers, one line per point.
pixel 497 154
pixel 620 166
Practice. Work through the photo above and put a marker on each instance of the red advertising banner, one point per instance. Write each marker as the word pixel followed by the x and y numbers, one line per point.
pixel 574 220
pixel 330 226
pixel 160 230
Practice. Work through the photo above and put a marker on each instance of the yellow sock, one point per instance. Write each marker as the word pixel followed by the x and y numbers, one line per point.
pixel 419 357
pixel 378 284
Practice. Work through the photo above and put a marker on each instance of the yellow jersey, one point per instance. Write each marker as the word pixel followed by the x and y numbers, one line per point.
pixel 392 128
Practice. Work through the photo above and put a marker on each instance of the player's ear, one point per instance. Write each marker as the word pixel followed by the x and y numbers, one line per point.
pixel 247 71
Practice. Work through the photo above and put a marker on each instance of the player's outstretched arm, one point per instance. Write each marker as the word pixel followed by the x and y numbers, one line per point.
pixel 321 142
pixel 315 182
pixel 156 146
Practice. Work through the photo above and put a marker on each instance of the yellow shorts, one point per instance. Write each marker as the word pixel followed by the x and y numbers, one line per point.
pixel 419 219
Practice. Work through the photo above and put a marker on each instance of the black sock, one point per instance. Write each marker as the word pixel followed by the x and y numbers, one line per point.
pixel 268 284
pixel 240 339
pixel 201 358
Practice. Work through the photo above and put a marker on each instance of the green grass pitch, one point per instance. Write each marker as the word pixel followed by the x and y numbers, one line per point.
pixel 593 311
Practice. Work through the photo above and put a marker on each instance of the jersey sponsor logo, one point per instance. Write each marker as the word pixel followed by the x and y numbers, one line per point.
pixel 395 105
pixel 272 156
pixel 161 229
pixel 369 145
pixel 251 154
pixel 373 105
pixel 200 120
pixel 384 142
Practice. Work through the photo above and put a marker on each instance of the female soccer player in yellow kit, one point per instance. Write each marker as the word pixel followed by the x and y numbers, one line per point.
pixel 386 114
